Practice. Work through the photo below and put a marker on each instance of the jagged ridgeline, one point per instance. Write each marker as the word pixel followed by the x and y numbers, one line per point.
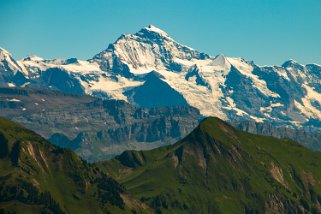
pixel 37 177
pixel 149 68
pixel 219 169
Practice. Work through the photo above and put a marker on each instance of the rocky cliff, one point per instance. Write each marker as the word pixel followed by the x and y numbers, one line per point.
pixel 95 128
pixel 308 138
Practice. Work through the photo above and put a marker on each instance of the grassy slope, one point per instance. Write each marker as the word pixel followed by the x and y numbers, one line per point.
pixel 218 169
pixel 38 177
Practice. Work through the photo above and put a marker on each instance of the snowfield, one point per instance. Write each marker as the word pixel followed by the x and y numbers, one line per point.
pixel 227 87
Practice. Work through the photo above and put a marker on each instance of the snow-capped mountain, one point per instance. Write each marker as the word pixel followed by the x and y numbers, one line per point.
pixel 149 69
pixel 11 72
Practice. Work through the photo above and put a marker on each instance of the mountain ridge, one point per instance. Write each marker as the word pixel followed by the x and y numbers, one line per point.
pixel 227 87
pixel 219 169
pixel 37 177
pixel 215 169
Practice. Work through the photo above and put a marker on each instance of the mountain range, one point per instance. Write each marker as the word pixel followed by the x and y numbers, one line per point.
pixel 100 129
pixel 215 169
pixel 149 125
pixel 150 69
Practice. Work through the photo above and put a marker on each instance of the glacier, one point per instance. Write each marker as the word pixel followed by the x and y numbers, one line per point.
pixel 231 88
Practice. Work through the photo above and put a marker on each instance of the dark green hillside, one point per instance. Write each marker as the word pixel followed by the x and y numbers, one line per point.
pixel 215 169
pixel 36 177
pixel 219 169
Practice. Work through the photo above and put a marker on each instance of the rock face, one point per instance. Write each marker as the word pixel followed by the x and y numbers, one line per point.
pixel 155 92
pixel 230 88
pixel 95 128
pixel 308 138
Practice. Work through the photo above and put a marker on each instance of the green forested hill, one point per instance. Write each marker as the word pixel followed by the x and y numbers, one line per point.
pixel 219 169
pixel 215 169
pixel 37 177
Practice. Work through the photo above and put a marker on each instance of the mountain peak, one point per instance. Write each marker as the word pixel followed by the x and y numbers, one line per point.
pixel 2 50
pixel 214 125
pixel 214 128
pixel 156 30
pixel 32 58
pixel 4 53
pixel 152 30
pixel 220 60
pixel 290 63
pixel 8 63
pixel 216 159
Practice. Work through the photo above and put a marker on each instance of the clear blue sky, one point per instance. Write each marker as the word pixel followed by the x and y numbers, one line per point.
pixel 266 31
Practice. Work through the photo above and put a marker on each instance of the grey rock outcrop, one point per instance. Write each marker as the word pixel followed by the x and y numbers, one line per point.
pixel 308 138
pixel 95 128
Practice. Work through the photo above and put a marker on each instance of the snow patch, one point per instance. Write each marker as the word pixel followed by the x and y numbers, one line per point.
pixel 156 30
pixel 11 85
pixel 307 108
pixel 247 70
pixel 13 100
